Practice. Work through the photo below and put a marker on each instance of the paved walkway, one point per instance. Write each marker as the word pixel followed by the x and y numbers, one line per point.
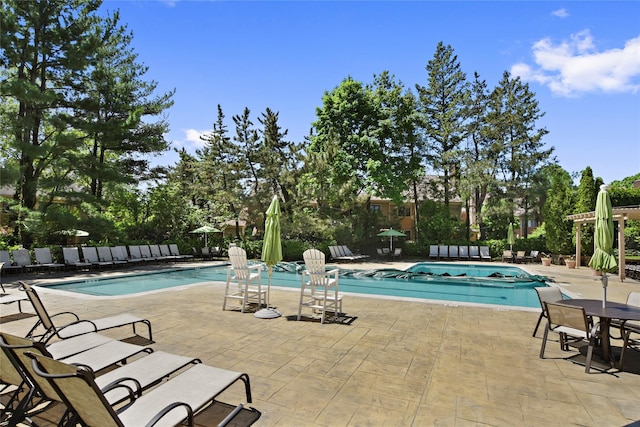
pixel 396 363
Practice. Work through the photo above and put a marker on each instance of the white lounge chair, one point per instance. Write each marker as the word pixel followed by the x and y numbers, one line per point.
pixel 463 252
pixel 176 252
pixel 22 257
pixel 433 251
pixel 485 255
pixel 72 259
pixel 319 288
pixel 8 265
pixel 77 326
pixel 453 252
pixel 139 375
pixel 104 254
pixel 171 403
pixel 45 260
pixel 244 281
pixel 90 254
pixel 474 253
pixel 443 252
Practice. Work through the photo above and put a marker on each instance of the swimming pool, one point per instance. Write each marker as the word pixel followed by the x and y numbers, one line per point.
pixel 497 285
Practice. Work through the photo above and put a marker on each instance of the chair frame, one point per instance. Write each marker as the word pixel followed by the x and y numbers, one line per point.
pixel 319 287
pixel 244 281
pixel 51 330
pixel 573 325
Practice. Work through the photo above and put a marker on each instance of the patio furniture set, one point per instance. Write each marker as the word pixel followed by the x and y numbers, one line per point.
pixel 102 381
pixel 575 322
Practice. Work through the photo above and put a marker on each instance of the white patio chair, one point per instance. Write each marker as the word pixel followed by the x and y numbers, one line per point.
pixel 319 288
pixel 244 281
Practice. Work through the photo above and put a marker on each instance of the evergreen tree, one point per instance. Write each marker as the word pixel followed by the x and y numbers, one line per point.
pixel 512 119
pixel 558 205
pixel 443 113
pixel 586 202
pixel 46 48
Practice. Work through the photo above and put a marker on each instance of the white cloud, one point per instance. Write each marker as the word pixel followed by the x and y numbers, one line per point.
pixel 191 138
pixel 576 66
pixel 560 13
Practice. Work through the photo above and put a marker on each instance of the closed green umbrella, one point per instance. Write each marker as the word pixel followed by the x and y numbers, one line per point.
pixel 271 251
pixel 511 238
pixel 603 259
pixel 391 233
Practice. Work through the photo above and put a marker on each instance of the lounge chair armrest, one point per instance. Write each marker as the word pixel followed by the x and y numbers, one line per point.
pixel 170 408
pixel 67 313
pixel 119 383
pixel 79 322
pixel 334 272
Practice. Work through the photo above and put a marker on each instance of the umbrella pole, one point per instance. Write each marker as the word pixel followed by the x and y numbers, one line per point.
pixel 605 282
pixel 269 269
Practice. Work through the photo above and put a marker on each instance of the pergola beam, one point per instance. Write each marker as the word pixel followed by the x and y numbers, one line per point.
pixel 620 215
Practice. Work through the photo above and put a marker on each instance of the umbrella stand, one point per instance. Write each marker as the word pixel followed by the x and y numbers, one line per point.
pixel 268 312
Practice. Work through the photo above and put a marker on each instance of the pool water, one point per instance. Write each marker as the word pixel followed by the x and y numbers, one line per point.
pixel 499 285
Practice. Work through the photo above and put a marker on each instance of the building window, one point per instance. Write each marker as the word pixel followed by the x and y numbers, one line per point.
pixel 375 208
pixel 404 211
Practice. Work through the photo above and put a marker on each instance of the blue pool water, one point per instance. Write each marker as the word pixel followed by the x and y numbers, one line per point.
pixel 483 284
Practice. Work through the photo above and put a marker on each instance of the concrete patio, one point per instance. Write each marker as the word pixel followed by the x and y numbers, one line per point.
pixel 395 362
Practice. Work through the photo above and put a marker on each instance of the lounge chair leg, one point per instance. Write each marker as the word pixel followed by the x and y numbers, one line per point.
pixel 544 342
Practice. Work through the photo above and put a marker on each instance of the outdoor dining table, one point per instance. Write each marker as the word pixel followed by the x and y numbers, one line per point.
pixel 611 311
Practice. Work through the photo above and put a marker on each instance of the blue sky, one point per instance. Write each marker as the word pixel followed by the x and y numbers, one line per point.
pixel 582 60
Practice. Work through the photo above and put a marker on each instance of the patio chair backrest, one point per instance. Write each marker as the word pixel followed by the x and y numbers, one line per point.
pixel 464 251
pixel 71 255
pixel 484 252
pixel 453 251
pixel 534 254
pixel 9 373
pixel 90 253
pixel 134 250
pixel 567 315
pixel 119 253
pixel 21 257
pixel 473 252
pixel 633 298
pixel 145 251
pixel 16 347
pixel 173 249
pixel 104 253
pixel 548 294
pixel 155 250
pixel 39 308
pixel 5 257
pixel 433 250
pixel 164 250
pixel 314 262
pixel 43 255
pixel 78 390
pixel 346 251
pixel 238 259
pixel 443 251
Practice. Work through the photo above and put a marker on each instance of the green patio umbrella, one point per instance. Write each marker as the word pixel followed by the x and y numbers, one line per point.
pixel 205 229
pixel 511 238
pixel 603 259
pixel 391 233
pixel 271 252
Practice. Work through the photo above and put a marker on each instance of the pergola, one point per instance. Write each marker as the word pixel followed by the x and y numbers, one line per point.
pixel 620 215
